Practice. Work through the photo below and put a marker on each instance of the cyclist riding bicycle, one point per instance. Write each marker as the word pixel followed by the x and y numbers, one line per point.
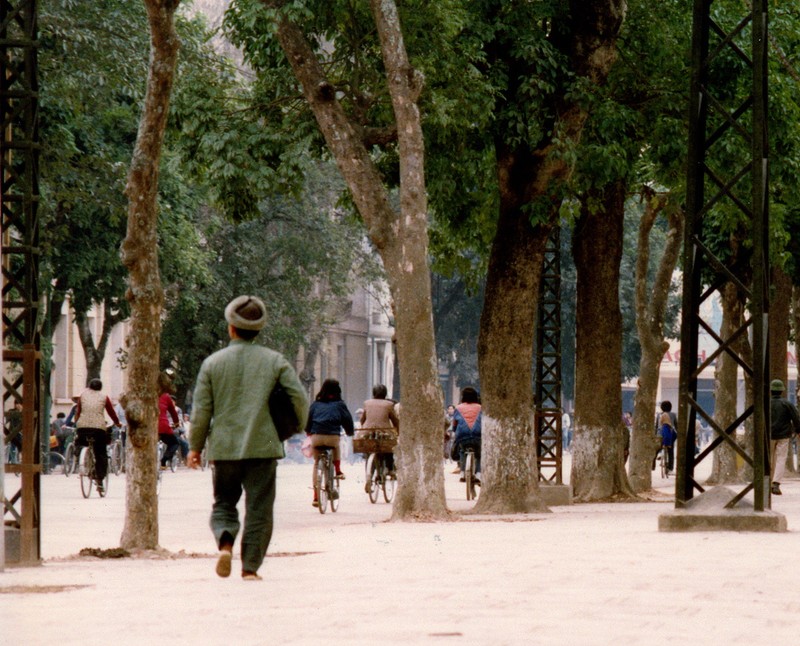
pixel 379 414
pixel 326 418
pixel 467 427
pixel 91 423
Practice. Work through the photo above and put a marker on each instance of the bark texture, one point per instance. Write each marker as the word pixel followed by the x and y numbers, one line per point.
pixel 140 255
pixel 724 469
pixel 780 310
pixel 401 239
pixel 651 305
pixel 598 469
pixel 530 177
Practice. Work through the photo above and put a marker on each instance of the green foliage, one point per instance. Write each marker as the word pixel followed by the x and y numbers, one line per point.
pixel 302 256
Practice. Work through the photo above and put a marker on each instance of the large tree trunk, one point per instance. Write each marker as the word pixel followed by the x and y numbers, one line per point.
pixel 651 305
pixel 402 241
pixel 779 330
pixel 140 255
pixel 598 469
pixel 529 182
pixel 724 468
pixel 508 456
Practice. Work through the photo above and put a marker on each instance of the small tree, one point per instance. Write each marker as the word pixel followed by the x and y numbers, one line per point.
pixel 140 255
pixel 651 306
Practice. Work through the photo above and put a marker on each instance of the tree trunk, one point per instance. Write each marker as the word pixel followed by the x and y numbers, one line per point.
pixel 400 238
pixel 94 355
pixel 651 305
pixel 724 468
pixel 779 330
pixel 529 183
pixel 510 481
pixel 598 469
pixel 140 255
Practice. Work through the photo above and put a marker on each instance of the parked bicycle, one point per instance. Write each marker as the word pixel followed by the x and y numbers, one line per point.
pixel 326 484
pixel 379 477
pixel 87 470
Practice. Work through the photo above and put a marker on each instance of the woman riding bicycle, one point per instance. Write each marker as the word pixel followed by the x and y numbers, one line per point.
pixel 168 418
pixel 326 418
pixel 91 423
pixel 467 427
pixel 379 414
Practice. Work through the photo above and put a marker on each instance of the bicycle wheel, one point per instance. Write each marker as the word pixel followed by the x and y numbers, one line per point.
pixel 115 461
pixel 55 462
pixel 373 478
pixel 173 463
pixel 389 483
pixel 320 471
pixel 333 487
pixel 469 474
pixel 86 471
pixel 663 460
pixel 103 491
pixel 69 459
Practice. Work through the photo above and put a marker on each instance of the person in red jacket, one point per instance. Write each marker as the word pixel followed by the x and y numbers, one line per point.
pixel 167 419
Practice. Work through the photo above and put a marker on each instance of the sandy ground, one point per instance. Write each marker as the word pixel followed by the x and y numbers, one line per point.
pixel 585 574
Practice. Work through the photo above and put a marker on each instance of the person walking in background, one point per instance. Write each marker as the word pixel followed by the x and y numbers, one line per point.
pixel 566 431
pixel 326 418
pixel 667 422
pixel 168 418
pixel 378 414
pixel 467 426
pixel 784 422
pixel 90 421
pixel 231 398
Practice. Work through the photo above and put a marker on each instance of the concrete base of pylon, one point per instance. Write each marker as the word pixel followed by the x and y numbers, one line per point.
pixel 708 513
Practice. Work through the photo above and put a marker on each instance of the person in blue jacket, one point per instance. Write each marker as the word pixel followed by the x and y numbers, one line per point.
pixel 326 418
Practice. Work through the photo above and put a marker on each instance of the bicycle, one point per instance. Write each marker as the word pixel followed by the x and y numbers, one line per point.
pixel 87 470
pixel 53 462
pixel 664 460
pixel 71 454
pixel 326 484
pixel 115 457
pixel 379 477
pixel 470 477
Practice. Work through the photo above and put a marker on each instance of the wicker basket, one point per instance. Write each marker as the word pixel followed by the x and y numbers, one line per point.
pixel 368 440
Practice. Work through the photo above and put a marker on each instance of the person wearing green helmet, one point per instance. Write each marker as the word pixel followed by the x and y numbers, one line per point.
pixel 784 421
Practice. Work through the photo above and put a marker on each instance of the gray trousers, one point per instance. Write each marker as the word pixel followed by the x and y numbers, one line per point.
pixel 257 478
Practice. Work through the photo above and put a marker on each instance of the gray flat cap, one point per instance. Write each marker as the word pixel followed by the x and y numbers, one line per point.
pixel 246 313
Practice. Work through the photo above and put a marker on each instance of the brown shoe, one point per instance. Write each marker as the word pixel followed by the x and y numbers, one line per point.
pixel 224 563
pixel 251 576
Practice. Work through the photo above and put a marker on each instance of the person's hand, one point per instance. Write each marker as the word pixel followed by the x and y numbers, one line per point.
pixel 193 459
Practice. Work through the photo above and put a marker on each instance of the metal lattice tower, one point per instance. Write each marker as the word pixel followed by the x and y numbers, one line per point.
pixel 19 201
pixel 547 394
pixel 726 115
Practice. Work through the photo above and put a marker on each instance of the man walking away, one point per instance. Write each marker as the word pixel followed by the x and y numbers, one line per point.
pixel 784 420
pixel 233 389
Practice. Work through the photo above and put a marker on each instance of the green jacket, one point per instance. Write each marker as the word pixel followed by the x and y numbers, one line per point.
pixel 230 409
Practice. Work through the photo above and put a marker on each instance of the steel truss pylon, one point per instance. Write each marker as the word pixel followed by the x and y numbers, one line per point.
pixel 19 200
pixel 547 393
pixel 727 114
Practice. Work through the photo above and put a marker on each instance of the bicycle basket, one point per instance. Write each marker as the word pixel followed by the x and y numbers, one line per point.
pixel 367 440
